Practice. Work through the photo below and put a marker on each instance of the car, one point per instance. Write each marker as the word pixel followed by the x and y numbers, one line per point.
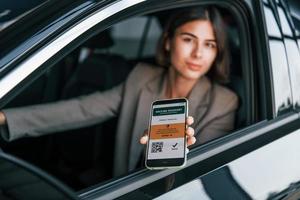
pixel 63 49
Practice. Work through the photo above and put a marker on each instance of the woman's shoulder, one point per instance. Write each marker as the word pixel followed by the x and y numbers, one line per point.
pixel 223 91
pixel 148 68
pixel 145 72
pixel 223 96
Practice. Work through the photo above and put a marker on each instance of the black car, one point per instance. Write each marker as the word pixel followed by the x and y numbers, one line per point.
pixel 63 49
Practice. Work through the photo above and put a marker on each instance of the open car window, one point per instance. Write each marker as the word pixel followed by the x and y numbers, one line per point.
pixel 83 157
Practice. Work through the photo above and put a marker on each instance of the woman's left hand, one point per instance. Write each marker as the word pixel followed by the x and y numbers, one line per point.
pixel 189 133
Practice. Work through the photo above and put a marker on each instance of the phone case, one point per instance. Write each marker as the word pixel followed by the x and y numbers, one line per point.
pixel 149 128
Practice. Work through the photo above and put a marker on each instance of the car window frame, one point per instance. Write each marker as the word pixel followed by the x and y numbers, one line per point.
pixel 54 57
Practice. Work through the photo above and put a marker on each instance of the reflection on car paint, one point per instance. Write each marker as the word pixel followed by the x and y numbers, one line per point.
pixel 237 180
pixel 264 181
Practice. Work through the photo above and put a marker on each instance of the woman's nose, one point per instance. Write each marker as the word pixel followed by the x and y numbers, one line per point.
pixel 198 51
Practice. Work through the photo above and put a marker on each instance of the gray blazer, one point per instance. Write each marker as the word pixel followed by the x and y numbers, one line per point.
pixel 212 106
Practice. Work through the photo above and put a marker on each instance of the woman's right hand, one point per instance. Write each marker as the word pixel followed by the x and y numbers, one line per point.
pixel 2 118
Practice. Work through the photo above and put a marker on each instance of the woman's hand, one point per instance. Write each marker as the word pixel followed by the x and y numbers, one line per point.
pixel 189 133
pixel 2 118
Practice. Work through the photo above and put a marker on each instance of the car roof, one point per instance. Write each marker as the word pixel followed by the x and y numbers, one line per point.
pixel 10 11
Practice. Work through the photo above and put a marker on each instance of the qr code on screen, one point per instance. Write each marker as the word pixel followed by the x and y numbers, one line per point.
pixel 157 147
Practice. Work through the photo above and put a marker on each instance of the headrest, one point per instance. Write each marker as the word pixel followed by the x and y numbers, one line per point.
pixel 100 41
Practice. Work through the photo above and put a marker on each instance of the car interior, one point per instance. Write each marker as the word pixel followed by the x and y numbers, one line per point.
pixel 83 157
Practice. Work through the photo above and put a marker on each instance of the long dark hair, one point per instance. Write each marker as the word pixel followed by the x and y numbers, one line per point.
pixel 220 69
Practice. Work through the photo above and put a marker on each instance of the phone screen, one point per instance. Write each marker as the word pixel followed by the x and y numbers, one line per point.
pixel 167 133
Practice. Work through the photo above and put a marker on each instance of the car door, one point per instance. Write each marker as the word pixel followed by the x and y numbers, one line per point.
pixel 270 171
pixel 268 117
pixel 258 162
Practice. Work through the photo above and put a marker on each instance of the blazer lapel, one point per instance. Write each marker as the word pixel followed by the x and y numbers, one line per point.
pixel 152 91
pixel 199 100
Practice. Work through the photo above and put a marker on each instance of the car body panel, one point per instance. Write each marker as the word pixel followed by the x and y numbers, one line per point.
pixel 210 158
pixel 257 175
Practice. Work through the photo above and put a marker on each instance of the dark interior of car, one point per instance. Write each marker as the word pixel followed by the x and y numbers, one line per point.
pixel 83 157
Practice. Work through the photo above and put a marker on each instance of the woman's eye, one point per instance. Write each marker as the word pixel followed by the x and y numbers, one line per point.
pixel 187 39
pixel 211 45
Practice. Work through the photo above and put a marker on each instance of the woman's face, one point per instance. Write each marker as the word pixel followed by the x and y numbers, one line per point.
pixel 193 49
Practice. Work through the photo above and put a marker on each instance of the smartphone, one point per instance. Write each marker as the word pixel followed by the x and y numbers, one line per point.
pixel 167 140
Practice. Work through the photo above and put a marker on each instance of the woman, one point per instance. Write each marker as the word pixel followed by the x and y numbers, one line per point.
pixel 193 51
pixel 194 47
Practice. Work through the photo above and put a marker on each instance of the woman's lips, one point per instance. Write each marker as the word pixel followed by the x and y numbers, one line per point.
pixel 193 66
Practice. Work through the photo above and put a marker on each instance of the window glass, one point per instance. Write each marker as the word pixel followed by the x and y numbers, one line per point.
pixel 293 49
pixel 272 27
pixel 284 23
pixel 294 63
pixel 281 80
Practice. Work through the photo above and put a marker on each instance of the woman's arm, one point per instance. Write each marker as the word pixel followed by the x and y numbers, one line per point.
pixel 42 119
